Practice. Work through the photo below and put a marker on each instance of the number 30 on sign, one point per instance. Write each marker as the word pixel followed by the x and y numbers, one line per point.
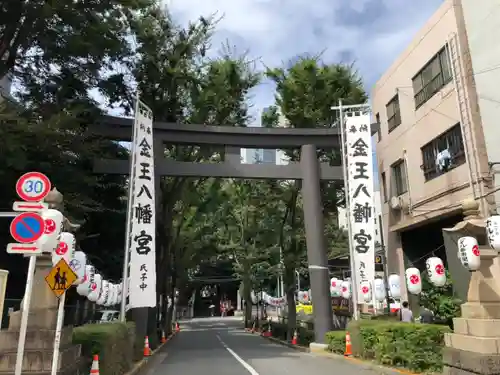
pixel 33 186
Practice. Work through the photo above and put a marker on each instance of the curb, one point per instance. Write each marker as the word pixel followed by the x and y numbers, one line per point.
pixel 363 363
pixel 329 355
pixel 144 363
pixel 281 342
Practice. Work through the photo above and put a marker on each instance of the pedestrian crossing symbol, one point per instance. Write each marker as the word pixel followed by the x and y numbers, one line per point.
pixel 60 278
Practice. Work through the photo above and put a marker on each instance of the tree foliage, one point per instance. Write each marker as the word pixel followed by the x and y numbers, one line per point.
pixel 71 59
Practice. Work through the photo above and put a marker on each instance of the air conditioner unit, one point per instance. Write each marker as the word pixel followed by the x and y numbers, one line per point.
pixel 399 203
pixel 395 203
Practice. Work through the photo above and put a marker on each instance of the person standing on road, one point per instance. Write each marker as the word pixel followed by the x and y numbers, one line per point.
pixel 405 314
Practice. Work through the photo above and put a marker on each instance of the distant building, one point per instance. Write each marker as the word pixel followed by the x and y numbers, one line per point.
pixel 254 156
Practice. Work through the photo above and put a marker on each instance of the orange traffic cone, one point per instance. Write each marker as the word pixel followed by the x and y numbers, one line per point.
pixel 147 351
pixel 177 327
pixel 163 337
pixel 294 339
pixel 268 333
pixel 94 370
pixel 348 345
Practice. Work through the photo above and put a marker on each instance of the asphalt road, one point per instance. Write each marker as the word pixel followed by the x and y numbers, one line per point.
pixel 219 346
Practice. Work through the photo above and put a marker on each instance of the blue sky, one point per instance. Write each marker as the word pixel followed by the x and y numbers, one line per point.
pixel 370 33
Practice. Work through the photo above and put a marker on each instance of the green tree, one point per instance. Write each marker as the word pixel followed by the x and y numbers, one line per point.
pixel 57 52
pixel 440 300
pixel 247 234
pixel 183 85
pixel 305 92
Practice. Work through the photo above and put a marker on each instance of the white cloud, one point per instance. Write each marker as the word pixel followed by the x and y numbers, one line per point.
pixel 370 32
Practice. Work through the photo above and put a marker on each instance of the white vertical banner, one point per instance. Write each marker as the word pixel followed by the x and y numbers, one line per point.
pixel 361 195
pixel 141 240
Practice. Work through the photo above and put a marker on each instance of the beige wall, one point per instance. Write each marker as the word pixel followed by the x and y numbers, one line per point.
pixel 441 195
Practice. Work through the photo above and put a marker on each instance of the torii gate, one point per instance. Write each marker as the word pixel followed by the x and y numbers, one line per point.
pixel 309 170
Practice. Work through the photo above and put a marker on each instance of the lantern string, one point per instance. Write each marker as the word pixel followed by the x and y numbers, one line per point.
pixel 432 252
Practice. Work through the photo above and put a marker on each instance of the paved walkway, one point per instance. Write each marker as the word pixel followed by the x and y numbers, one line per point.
pixel 215 346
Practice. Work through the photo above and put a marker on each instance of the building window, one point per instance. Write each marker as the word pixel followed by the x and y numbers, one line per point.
pixel 384 186
pixel 393 114
pixel 379 131
pixel 433 76
pixel 399 177
pixel 451 142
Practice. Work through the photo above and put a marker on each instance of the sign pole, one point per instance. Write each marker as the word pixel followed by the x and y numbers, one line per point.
pixel 129 217
pixel 57 338
pixel 25 314
pixel 354 281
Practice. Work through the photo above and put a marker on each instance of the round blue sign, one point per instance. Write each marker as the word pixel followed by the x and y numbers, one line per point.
pixel 27 227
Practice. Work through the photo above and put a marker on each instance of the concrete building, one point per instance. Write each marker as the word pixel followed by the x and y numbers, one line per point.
pixel 482 19
pixel 431 151
pixel 252 156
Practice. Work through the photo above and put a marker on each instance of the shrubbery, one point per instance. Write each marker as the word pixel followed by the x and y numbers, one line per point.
pixel 417 347
pixel 113 342
pixel 336 342
pixel 280 330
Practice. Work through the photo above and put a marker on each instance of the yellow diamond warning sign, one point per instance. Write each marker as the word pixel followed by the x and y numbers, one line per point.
pixel 60 278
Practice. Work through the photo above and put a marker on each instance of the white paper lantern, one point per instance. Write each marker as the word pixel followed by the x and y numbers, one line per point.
pixel 305 297
pixel 53 226
pixel 253 297
pixel 95 287
pixel 346 289
pixel 112 295
pixel 493 231
pixel 379 290
pixel 365 288
pixel 84 288
pixel 119 293
pixel 395 285
pixel 468 252
pixel 335 287
pixel 66 248
pixel 104 295
pixel 413 280
pixel 436 271
pixel 77 264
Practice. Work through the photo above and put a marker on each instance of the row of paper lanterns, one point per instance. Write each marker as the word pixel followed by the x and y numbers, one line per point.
pixel 377 289
pixel 468 253
pixel 62 245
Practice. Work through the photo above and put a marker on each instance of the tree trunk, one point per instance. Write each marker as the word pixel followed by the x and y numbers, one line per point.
pixel 247 297
pixel 289 281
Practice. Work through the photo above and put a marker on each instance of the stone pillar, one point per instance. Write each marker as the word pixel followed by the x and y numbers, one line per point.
pixel 42 318
pixel 474 347
pixel 316 246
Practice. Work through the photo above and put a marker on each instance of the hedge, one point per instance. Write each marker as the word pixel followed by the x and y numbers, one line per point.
pixel 414 346
pixel 280 331
pixel 336 342
pixel 113 342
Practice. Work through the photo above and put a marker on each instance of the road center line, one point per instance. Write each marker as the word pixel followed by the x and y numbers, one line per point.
pixel 249 368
